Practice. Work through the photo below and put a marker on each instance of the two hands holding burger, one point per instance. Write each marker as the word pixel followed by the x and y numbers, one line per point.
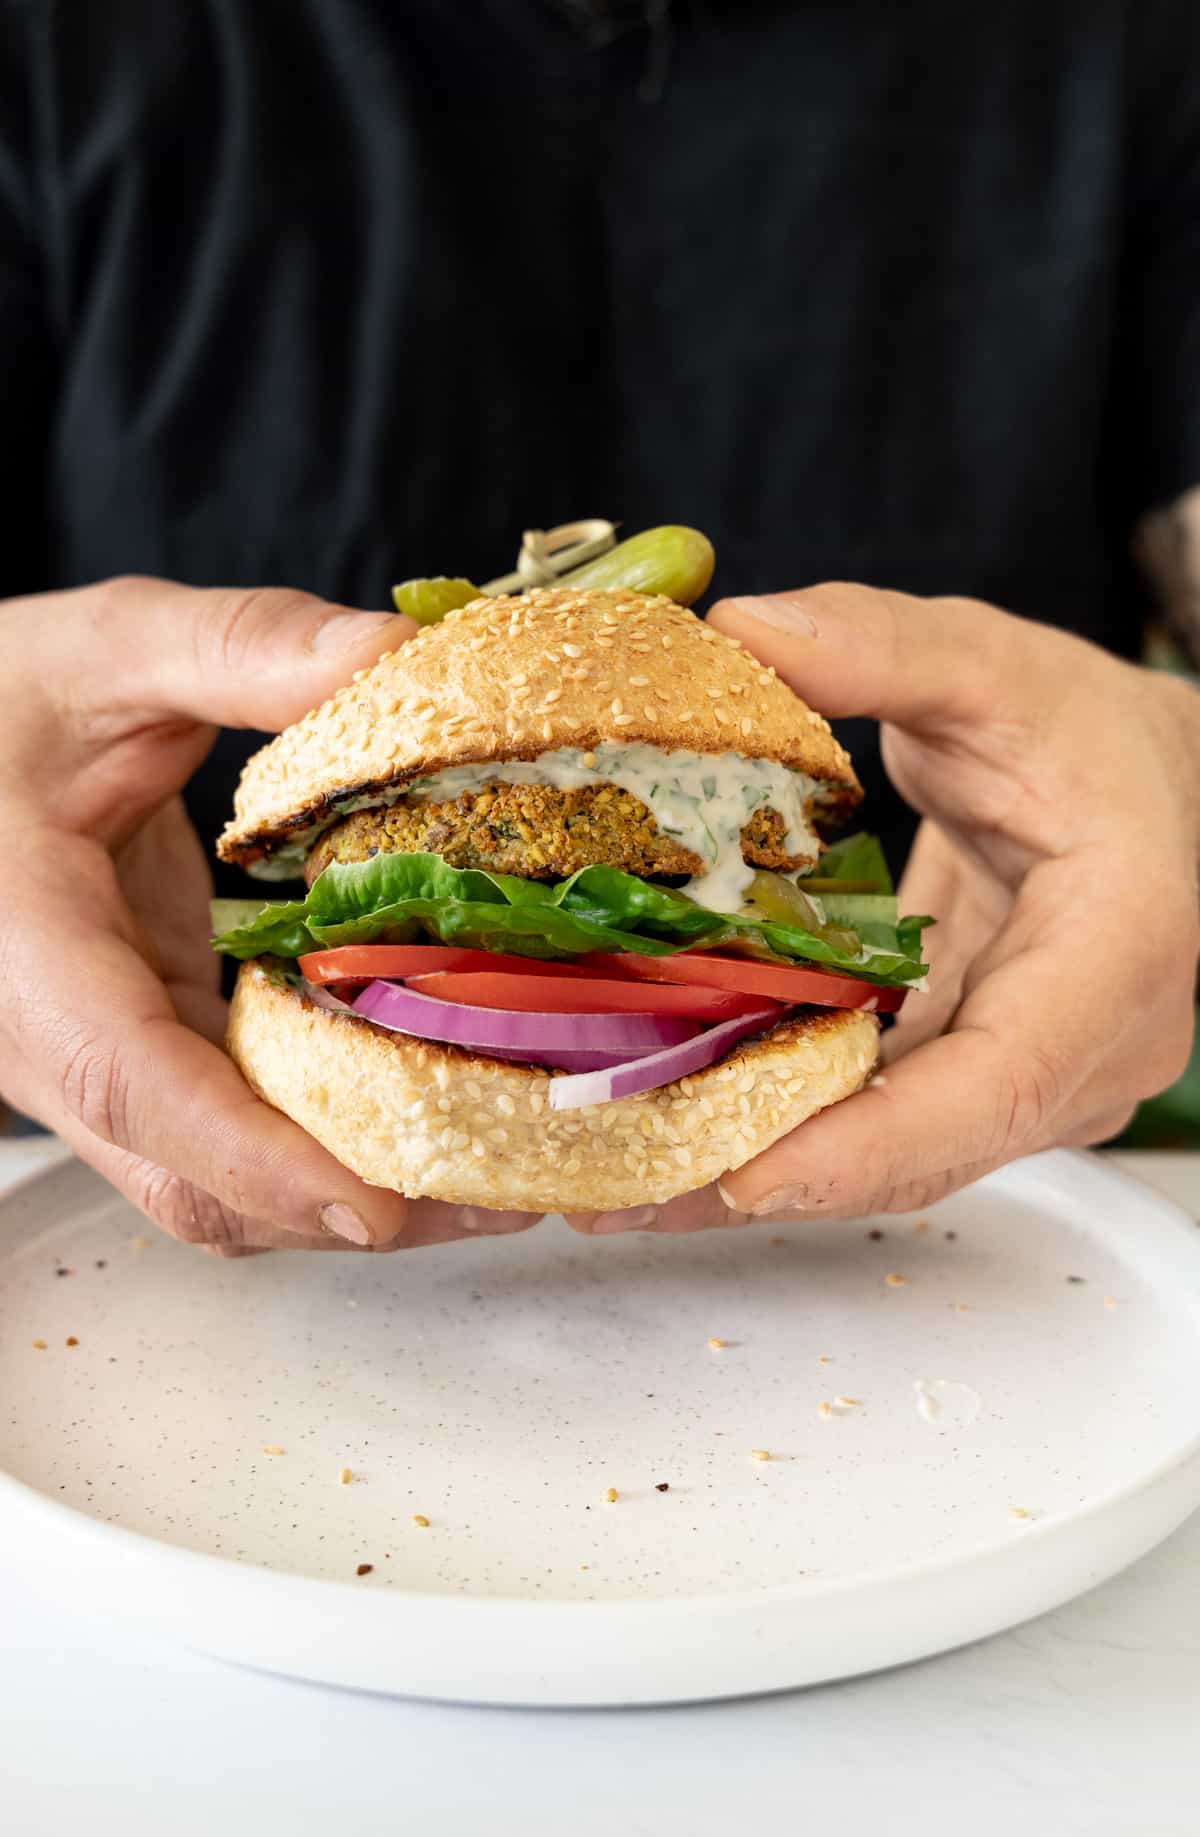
pixel 1060 792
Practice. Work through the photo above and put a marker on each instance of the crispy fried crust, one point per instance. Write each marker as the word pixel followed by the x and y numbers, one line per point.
pixel 538 832
pixel 434 1121
pixel 514 677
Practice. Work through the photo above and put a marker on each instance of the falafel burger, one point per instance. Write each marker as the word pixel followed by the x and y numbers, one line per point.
pixel 571 937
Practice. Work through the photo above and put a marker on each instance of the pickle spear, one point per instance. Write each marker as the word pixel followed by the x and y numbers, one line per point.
pixel 428 601
pixel 671 559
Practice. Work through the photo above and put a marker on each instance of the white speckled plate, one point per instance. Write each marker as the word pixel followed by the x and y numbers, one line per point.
pixel 1025 1419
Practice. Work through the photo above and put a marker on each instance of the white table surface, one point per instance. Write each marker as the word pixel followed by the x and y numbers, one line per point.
pixel 1082 1724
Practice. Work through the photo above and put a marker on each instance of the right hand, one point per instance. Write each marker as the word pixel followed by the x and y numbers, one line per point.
pixel 110 1012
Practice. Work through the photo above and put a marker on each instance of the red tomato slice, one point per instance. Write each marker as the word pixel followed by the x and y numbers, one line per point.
pixel 352 963
pixel 396 962
pixel 587 995
pixel 777 981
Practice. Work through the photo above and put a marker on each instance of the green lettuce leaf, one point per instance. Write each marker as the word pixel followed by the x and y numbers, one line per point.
pixel 393 899
pixel 857 857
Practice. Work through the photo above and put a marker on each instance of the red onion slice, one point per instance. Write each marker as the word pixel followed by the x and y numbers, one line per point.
pixel 502 1030
pixel 658 1068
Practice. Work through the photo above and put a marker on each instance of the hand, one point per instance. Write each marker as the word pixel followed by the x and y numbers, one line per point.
pixel 1060 791
pixel 110 1013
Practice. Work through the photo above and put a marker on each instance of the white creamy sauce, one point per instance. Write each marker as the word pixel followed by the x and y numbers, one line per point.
pixel 702 799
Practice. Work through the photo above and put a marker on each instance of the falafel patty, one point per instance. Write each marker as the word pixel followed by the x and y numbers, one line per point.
pixel 540 833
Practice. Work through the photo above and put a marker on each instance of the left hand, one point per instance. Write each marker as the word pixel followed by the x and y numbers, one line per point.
pixel 1061 795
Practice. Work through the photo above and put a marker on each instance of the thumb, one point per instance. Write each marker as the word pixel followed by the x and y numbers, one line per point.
pixel 924 665
pixel 235 657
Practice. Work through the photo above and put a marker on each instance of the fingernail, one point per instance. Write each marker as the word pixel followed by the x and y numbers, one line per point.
pixel 633 1218
pixel 341 1220
pixel 783 1199
pixel 781 611
pixel 341 630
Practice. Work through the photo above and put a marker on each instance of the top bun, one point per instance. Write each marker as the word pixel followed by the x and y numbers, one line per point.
pixel 510 678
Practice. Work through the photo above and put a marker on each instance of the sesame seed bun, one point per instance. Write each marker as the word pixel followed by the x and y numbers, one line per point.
pixel 510 678
pixel 434 1121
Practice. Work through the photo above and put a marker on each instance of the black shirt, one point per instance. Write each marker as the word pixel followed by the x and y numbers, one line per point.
pixel 331 292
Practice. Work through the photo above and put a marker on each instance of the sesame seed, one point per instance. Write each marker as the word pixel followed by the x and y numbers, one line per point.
pixel 618 706
pixel 345 1477
pixel 611 1496
pixel 40 1345
pixel 623 720
pixel 271 1448
pixel 1018 1511
pixel 895 1281
pixel 747 724
pixel 639 682
pixel 716 1345
pixel 420 1520
pixel 505 1105
pixel 760 1454
pixel 364 1569
pixel 572 650
pixel 715 694
pixel 847 1403
pixel 825 1410
pixel 478 1149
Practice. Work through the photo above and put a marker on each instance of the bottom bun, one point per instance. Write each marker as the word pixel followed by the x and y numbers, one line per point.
pixel 438 1122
